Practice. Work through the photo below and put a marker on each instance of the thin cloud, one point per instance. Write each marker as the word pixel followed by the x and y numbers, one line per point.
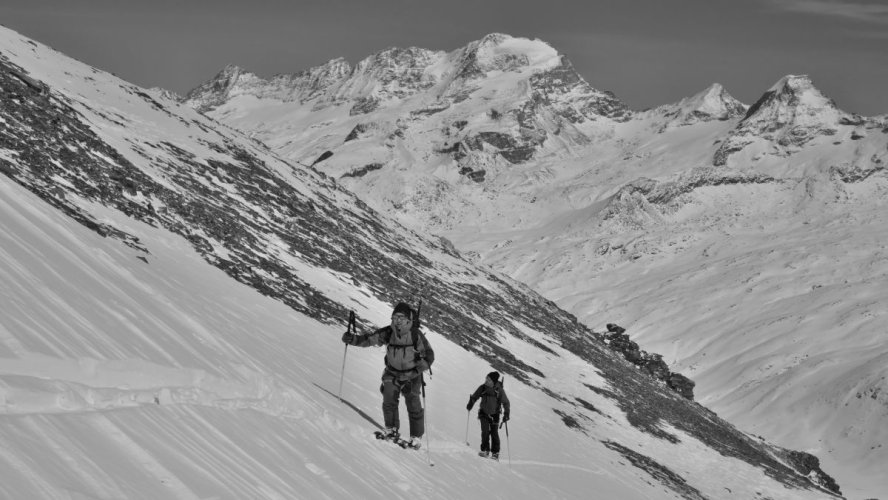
pixel 858 11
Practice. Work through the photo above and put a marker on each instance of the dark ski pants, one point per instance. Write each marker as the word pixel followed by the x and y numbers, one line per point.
pixel 490 440
pixel 411 389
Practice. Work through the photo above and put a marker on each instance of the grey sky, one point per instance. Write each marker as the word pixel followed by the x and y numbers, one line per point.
pixel 648 52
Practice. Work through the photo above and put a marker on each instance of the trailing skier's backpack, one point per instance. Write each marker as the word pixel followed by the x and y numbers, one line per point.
pixel 490 399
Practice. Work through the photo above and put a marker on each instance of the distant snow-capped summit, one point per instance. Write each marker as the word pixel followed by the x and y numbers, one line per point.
pixel 312 82
pixel 714 103
pixel 500 52
pixel 234 81
pixel 793 101
pixel 215 91
pixel 497 101
pixel 792 113
pixel 498 63
pixel 166 94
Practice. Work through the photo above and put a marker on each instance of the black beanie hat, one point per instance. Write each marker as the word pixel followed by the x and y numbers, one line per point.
pixel 403 308
pixel 493 376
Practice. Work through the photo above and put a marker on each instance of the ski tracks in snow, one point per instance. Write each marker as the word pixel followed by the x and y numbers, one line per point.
pixel 41 385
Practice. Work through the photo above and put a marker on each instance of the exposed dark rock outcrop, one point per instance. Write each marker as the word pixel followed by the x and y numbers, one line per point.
pixel 809 465
pixel 366 169
pixel 651 363
pixel 364 105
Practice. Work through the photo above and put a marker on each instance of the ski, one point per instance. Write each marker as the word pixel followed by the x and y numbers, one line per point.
pixel 403 443
pixel 382 437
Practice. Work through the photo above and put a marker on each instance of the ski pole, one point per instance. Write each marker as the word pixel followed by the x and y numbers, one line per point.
pixel 508 446
pixel 342 375
pixel 468 414
pixel 351 324
pixel 428 446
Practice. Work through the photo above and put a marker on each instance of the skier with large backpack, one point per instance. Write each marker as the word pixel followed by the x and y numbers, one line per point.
pixel 493 397
pixel 408 355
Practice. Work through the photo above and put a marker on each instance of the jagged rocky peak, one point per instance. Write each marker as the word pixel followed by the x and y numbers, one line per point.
pixel 390 73
pixel 394 59
pixel 323 75
pixel 227 78
pixel 312 82
pixel 233 80
pixel 572 97
pixel 215 91
pixel 405 65
pixel 166 94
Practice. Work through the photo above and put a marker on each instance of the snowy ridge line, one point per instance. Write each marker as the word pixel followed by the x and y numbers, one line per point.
pixel 44 385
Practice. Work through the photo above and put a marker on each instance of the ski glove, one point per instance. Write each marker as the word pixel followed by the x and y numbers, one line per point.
pixel 348 338
pixel 469 406
pixel 506 417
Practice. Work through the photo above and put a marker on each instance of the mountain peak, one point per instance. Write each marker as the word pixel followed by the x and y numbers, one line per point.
pixel 395 63
pixel 713 103
pixel 716 102
pixel 790 83
pixel 495 38
pixel 794 98
pixel 791 113
pixel 217 90
pixel 501 52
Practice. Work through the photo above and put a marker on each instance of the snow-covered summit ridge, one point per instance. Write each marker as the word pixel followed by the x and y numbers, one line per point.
pixel 233 81
pixel 399 73
pixel 500 52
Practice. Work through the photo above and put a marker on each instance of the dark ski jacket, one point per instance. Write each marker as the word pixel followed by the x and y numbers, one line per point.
pixel 493 397
pixel 406 356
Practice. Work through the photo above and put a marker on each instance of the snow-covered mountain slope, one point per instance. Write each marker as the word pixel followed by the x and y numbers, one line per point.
pixel 170 380
pixel 173 296
pixel 638 217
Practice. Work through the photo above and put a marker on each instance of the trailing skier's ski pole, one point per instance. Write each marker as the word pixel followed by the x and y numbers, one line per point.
pixel 351 324
pixel 468 414
pixel 508 446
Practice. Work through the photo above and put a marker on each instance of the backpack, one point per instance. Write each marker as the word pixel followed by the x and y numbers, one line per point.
pixel 415 333
pixel 486 394
pixel 419 354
